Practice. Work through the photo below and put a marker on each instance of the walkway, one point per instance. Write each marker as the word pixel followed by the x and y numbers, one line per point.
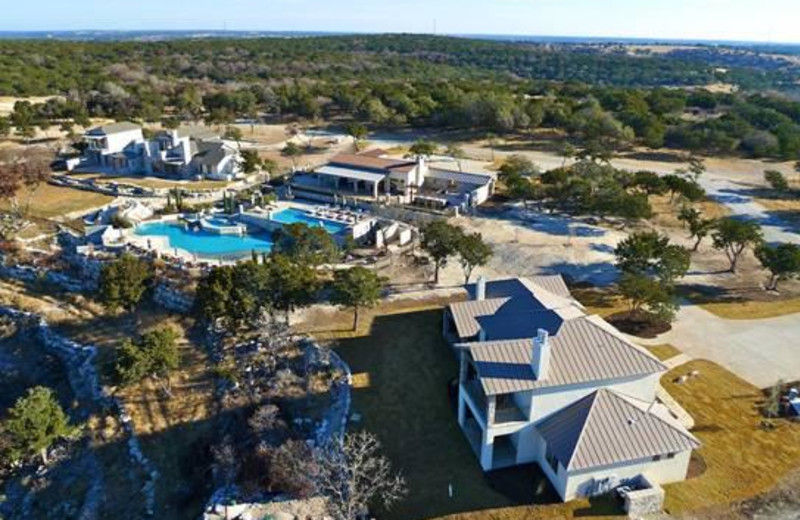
pixel 736 197
pixel 759 351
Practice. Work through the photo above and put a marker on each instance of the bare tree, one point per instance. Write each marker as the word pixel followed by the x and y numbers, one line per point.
pixel 352 474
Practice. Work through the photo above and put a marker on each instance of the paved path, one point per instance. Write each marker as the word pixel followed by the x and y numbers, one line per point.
pixel 759 351
pixel 735 197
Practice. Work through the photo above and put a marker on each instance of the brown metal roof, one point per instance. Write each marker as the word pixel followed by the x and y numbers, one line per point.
pixel 582 351
pixel 605 428
pixel 371 163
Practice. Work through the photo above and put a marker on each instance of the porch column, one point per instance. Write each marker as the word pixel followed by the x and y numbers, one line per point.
pixel 491 407
pixel 375 190
pixel 462 409
pixel 445 323
pixel 487 451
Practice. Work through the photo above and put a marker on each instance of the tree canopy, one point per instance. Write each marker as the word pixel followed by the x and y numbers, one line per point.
pixel 357 288
pixel 34 423
pixel 124 281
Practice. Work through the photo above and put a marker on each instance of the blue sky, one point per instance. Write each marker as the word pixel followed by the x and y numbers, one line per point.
pixel 758 20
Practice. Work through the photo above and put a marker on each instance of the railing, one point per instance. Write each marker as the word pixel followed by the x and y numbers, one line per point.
pixel 477 396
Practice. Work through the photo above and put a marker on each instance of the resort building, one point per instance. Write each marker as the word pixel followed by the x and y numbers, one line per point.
pixel 541 381
pixel 375 176
pixel 121 148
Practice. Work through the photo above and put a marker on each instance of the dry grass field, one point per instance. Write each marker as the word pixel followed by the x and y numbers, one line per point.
pixel 55 202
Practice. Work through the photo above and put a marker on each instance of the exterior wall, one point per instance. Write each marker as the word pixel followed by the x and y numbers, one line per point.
pixel 580 483
pixel 117 142
pixel 547 401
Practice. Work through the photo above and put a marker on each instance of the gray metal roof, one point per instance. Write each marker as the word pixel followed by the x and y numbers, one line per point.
pixel 554 284
pixel 114 128
pixel 461 177
pixel 606 428
pixel 351 173
pixel 515 308
pixel 582 350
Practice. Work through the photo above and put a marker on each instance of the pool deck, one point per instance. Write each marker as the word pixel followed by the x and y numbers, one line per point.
pixel 161 244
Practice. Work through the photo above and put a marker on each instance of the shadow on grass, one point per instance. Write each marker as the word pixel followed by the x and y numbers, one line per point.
pixel 406 404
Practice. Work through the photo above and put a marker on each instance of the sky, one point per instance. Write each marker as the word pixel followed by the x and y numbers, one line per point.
pixel 741 20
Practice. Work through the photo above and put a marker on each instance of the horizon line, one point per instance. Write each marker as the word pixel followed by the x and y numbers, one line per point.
pixel 599 39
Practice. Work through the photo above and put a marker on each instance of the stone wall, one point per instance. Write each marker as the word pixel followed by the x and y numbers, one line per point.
pixel 172 298
pixel 79 361
pixel 644 502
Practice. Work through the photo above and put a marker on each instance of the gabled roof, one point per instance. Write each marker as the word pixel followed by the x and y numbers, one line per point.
pixel 605 428
pixel 582 351
pixel 210 152
pixel 113 128
pixel 368 162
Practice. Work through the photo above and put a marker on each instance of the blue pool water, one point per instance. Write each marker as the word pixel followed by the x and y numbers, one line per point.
pixel 296 216
pixel 205 244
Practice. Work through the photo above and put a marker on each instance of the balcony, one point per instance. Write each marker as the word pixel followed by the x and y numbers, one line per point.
pixel 506 410
pixel 475 392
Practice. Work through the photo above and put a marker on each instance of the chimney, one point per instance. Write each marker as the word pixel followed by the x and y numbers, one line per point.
pixel 540 361
pixel 480 289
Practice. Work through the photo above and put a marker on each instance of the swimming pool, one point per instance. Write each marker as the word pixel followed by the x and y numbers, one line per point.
pixel 206 244
pixel 297 216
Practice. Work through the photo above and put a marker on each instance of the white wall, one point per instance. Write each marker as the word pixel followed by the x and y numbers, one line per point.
pixel 550 400
pixel 117 142
pixel 580 483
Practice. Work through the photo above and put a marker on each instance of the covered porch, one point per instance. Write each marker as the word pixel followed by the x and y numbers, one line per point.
pixel 345 181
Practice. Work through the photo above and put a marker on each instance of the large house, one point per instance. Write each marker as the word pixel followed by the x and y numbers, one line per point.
pixel 183 153
pixel 376 176
pixel 541 381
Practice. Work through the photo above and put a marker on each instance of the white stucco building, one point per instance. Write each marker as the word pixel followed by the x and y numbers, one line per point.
pixel 541 381
pixel 121 148
pixel 374 175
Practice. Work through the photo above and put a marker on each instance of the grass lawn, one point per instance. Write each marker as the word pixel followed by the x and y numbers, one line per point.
pixel 664 352
pixel 56 201
pixel 742 459
pixel 402 370
pixel 744 308
pixel 601 301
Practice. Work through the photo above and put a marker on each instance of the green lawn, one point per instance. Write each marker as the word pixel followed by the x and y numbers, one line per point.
pixel 402 369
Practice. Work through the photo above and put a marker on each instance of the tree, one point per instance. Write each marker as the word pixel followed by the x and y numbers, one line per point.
pixel 518 166
pixel 352 475
pixel 358 132
pixel 650 183
pixel 124 281
pixel 782 261
pixel 734 236
pixel 772 405
pixel 776 180
pixel 34 423
pixel 213 293
pixel 456 152
pixel 440 241
pixel 649 253
pixel 305 244
pixel 291 284
pixel 250 161
pixel 647 295
pixel 697 166
pixel 699 227
pixel 422 149
pixel 292 151
pixel 472 252
pixel 155 355
pixel 233 133
pixel 355 289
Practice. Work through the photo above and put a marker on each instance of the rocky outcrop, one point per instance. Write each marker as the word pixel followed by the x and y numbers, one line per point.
pixel 79 361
